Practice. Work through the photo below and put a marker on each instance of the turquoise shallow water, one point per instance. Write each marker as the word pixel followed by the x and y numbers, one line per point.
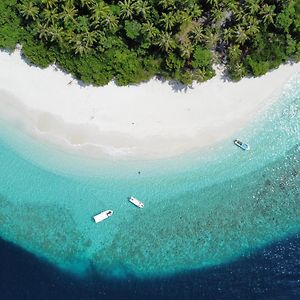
pixel 201 209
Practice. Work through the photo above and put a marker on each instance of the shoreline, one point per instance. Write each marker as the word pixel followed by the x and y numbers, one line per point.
pixel 151 120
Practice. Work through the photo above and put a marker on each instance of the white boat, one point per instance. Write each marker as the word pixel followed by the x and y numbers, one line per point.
pixel 136 202
pixel 103 215
pixel 242 145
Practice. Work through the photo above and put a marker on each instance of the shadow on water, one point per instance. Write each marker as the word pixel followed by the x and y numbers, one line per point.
pixel 271 273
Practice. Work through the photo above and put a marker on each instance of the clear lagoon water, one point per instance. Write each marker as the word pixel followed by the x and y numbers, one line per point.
pixel 208 213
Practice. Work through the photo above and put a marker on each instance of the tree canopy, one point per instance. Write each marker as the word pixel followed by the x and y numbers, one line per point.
pixel 133 40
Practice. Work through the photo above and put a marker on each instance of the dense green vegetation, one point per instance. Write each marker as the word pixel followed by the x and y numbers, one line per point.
pixel 133 40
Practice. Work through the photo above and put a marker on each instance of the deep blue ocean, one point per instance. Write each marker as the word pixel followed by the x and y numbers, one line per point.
pixel 270 273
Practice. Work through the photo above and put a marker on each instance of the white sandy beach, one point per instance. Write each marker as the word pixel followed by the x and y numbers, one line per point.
pixel 149 120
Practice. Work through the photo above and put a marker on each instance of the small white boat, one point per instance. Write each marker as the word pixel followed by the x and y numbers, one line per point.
pixel 242 145
pixel 136 202
pixel 103 215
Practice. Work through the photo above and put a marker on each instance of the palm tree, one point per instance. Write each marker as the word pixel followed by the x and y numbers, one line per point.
pixel 268 14
pixel 69 2
pixel 239 14
pixel 194 10
pixel 110 21
pixel 186 50
pixel 240 34
pixel 42 31
pixel 50 3
pixel 28 10
pixel 252 25
pixel 228 34
pixel 234 53
pixel 232 7
pixel 238 71
pixel 89 38
pixel 199 74
pixel 69 13
pixel 150 30
pixel 211 38
pixel 253 6
pixel 181 16
pixel 213 2
pixel 87 3
pixel 217 15
pixel 142 8
pixel 198 34
pixel 168 20
pixel 50 15
pixel 170 4
pixel 126 9
pixel 99 11
pixel 165 41
pixel 79 44
pixel 56 33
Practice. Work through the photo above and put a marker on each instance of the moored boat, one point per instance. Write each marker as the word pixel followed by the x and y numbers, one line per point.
pixel 136 202
pixel 242 145
pixel 103 215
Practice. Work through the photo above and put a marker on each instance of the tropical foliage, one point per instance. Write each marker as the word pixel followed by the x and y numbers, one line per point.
pixel 132 40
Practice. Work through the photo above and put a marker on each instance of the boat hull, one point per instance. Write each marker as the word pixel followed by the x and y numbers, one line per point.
pixel 242 145
pixel 102 216
pixel 136 202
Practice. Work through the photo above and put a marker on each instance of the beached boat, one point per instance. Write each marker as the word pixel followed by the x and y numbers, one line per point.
pixel 103 215
pixel 136 202
pixel 242 145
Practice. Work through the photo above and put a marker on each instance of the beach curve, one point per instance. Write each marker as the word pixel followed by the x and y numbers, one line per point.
pixel 153 120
